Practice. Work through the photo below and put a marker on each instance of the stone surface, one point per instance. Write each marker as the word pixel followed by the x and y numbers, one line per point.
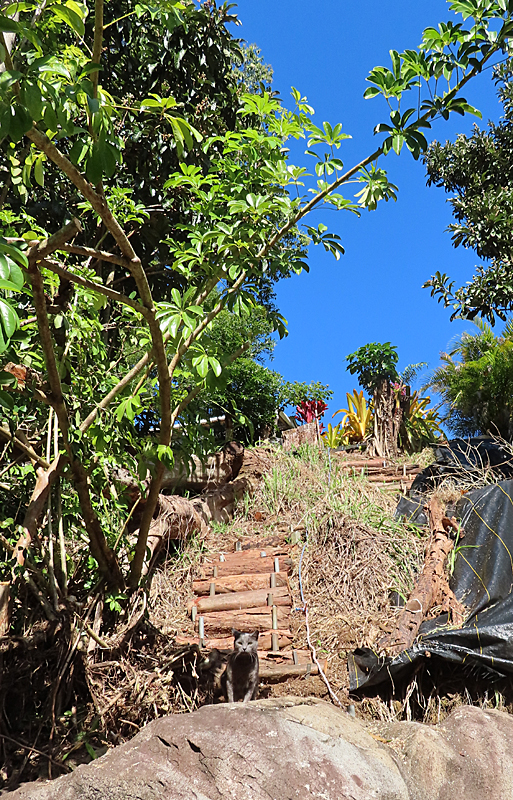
pixel 267 749
pixel 469 756
pixel 288 748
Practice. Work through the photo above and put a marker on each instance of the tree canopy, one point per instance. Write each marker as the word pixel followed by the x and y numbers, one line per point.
pixel 147 193
pixel 478 171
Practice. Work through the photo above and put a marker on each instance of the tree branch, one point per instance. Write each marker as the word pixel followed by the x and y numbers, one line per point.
pixel 93 286
pixel 100 255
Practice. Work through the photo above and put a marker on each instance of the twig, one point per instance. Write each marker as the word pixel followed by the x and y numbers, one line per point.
pixel 35 750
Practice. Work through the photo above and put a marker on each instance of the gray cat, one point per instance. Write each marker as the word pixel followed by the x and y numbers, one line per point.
pixel 242 667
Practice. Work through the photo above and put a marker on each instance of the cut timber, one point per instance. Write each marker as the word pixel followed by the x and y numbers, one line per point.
pixel 248 619
pixel 247 556
pixel 396 478
pixel 226 642
pixel 249 565
pixel 278 671
pixel 239 600
pixel 431 588
pixel 239 583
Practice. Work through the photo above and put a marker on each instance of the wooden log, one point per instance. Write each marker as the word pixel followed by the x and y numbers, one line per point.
pixel 431 588
pixel 243 556
pixel 5 618
pixel 239 600
pixel 239 583
pixel 248 619
pixel 387 478
pixel 280 671
pixel 226 642
pixel 252 567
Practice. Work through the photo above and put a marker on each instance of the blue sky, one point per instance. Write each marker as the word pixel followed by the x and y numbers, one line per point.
pixel 374 292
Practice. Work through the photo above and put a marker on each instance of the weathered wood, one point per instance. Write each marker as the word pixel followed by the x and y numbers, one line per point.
pixel 5 617
pixel 247 556
pixel 253 565
pixel 239 583
pixel 431 588
pixel 226 642
pixel 248 619
pixel 270 671
pixel 240 600
pixel 305 434
pixel 397 478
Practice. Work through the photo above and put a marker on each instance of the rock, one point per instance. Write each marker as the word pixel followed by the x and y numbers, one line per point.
pixel 468 756
pixel 266 749
pixel 288 748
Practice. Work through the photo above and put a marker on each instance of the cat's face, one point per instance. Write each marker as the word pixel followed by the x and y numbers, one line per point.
pixel 245 642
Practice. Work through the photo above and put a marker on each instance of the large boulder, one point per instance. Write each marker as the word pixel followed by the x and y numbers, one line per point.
pixel 296 748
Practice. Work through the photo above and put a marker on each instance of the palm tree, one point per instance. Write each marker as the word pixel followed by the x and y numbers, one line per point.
pixel 475 381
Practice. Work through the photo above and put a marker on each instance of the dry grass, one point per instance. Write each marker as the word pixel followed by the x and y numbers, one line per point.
pixel 354 554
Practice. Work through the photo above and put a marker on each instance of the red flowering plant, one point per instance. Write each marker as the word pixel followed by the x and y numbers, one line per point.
pixel 310 411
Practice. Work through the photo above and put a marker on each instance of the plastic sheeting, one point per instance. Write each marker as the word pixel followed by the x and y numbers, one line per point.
pixel 482 581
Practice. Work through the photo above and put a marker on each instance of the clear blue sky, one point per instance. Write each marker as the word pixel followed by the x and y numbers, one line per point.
pixel 326 49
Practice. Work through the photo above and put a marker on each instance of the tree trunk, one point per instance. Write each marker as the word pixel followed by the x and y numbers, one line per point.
pixel 386 428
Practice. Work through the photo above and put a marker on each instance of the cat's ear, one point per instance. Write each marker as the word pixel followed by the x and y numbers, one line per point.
pixel 236 633
pixel 256 634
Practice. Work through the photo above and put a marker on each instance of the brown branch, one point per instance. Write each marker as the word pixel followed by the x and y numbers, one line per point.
pixel 93 286
pixel 47 246
pixel 29 451
pixel 431 587
pixel 99 205
pixel 99 548
pixel 99 255
pixel 118 388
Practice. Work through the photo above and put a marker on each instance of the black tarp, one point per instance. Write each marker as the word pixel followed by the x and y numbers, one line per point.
pixel 482 581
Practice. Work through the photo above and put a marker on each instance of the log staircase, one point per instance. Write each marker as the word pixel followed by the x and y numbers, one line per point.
pixel 248 589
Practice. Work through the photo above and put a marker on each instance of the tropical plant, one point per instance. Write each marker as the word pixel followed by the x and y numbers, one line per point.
pixel 475 381
pixel 310 410
pixel 334 436
pixel 373 363
pixel 420 425
pixel 357 421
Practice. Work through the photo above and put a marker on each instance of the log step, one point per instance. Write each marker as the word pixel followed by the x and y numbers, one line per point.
pixel 233 601
pixel 239 583
pixel 244 566
pixel 226 642
pixel 248 619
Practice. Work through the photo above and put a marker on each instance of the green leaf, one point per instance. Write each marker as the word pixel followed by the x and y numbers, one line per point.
pixel 39 172
pixel 70 17
pixel 14 253
pixel 6 400
pixel 8 25
pixel 8 323
pixel 50 118
pixel 10 273
pixel 21 122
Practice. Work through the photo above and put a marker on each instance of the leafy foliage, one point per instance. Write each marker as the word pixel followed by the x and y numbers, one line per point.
pixel 478 171
pixel 373 363
pixel 357 421
pixel 475 381
pixel 420 425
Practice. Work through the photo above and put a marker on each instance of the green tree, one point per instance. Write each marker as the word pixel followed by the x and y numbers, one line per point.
pixel 478 171
pixel 241 224
pixel 475 381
